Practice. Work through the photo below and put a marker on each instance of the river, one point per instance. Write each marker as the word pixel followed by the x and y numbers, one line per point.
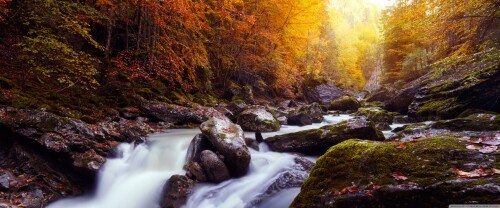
pixel 135 177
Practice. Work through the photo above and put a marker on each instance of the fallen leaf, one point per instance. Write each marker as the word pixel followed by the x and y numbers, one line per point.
pixel 377 187
pixel 488 149
pixel 477 173
pixel 473 147
pixel 352 189
pixel 369 193
pixel 399 176
pixel 401 146
pixel 344 191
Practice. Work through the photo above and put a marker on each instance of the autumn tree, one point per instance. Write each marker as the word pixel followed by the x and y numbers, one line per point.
pixel 54 35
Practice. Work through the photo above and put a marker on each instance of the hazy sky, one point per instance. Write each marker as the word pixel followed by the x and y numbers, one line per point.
pixel 383 2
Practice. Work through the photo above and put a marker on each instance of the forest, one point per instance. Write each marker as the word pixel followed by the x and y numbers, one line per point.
pixel 79 77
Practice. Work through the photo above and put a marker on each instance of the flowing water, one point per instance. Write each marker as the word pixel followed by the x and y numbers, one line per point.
pixel 134 178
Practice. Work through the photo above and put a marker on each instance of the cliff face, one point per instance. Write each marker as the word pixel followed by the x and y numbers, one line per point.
pixel 451 86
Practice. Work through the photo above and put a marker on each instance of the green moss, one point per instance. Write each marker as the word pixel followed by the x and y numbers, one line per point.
pixel 472 111
pixel 344 103
pixel 373 104
pixel 222 135
pixel 376 114
pixel 426 162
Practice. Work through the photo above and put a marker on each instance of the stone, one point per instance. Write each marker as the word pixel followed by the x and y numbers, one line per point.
pixel 228 140
pixel 215 169
pixel 176 191
pixel 317 141
pixel 344 103
pixel 258 120
pixel 415 174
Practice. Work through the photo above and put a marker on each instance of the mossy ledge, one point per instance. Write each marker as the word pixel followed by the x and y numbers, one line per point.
pixel 426 163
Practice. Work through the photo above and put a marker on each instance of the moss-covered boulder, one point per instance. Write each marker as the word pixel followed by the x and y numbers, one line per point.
pixel 258 120
pixel 474 126
pixel 432 172
pixel 377 114
pixel 228 139
pixel 317 141
pixel 344 103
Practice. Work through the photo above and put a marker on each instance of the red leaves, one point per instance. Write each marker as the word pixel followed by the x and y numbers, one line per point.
pixel 477 173
pixel 399 176
pixel 357 190
pixel 401 146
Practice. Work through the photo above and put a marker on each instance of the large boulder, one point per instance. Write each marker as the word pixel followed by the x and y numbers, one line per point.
pixel 344 103
pixel 228 140
pixel 317 141
pixel 256 119
pixel 215 169
pixel 376 114
pixel 176 191
pixel 432 172
pixel 171 113
pixel 477 126
pixel 67 152
pixel 306 115
pixel 321 93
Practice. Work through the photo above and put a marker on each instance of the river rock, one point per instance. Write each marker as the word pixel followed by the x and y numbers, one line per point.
pixel 376 114
pixel 288 178
pixel 317 141
pixel 476 126
pixel 306 115
pixel 344 103
pixel 431 172
pixel 176 191
pixel 258 120
pixel 383 126
pixel 228 139
pixel 67 152
pixel 236 107
pixel 321 93
pixel 171 113
pixel 215 169
pixel 195 171
pixel 199 143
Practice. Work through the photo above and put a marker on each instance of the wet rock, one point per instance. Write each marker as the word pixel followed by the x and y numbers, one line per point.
pixel 283 120
pixel 299 120
pixel 474 126
pixel 376 114
pixel 130 113
pixel 237 107
pixel 228 139
pixel 170 113
pixel 317 141
pixel 306 115
pixel 287 178
pixel 252 143
pixel 358 173
pixel 403 119
pixel 322 93
pixel 215 169
pixel 344 103
pixel 258 137
pixel 383 126
pixel 258 120
pixel 199 143
pixel 176 191
pixel 195 171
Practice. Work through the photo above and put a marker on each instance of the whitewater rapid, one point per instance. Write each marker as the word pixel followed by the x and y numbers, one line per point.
pixel 134 179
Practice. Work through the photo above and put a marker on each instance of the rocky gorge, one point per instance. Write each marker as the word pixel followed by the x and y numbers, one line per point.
pixel 445 150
